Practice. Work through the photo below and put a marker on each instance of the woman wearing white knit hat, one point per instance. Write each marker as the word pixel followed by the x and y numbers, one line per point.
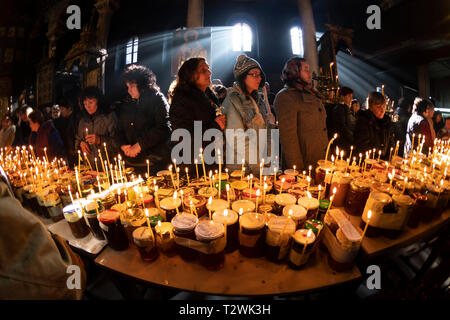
pixel 245 108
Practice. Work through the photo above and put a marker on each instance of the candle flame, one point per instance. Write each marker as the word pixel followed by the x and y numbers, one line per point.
pixel 147 214
pixel 369 214
pixel 241 211
pixel 227 187
pixel 309 234
pixel 334 191
pixel 210 200
pixel 175 195
pixel 225 212
pixel 159 224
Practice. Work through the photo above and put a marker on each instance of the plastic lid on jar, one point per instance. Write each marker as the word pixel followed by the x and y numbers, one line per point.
pixel 109 216
pixel 245 205
pixel 228 216
pixel 91 206
pixel 184 221
pixel 361 183
pixel 70 208
pixel 170 203
pixel 324 203
pixel 153 212
pixel 403 200
pixel 270 198
pixel 252 221
pixel 290 172
pixel 308 203
pixel 301 237
pixel 217 205
pixel 314 225
pixel 278 224
pixel 143 236
pixel 134 216
pixel 380 197
pixel 342 178
pixel 239 185
pixel 209 230
pixel 325 165
pixel 207 192
pixel 197 201
pixel 298 212
pixel 163 173
pixel 285 199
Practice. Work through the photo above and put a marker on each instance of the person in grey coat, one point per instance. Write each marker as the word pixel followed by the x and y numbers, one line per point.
pixel 96 127
pixel 245 108
pixel 301 117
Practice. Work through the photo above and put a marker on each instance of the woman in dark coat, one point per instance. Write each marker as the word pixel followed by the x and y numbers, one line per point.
pixel 144 129
pixel 193 100
pixel 373 128
pixel 44 135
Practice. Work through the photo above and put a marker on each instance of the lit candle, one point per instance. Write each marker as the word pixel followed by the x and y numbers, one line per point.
pixel 203 163
pixel 257 199
pixel 196 166
pixel 320 188
pixel 45 152
pixel 351 151
pixel 209 206
pixel 118 195
pixel 156 197
pixel 308 235
pixel 101 160
pixel 78 180
pixel 281 187
pixel 148 220
pixel 187 174
pixel 329 144
pixel 331 200
pixel 106 151
pixel 369 215
pixel 251 182
pixel 274 175
pixel 96 167
pixel 228 194
pixel 174 200
pixel 178 178
pixel 287 221
pixel 404 184
pixel 79 159
pixel 264 193
pixel 210 180
pixel 87 160
pixel 261 165
pixel 309 182
pixel 412 146
pixel 220 173
pixel 171 177
pixel 242 170
pixel 70 194
pixel 148 169
pixel 225 222
pixel 379 155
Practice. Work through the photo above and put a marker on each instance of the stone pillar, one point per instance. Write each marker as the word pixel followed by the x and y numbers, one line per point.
pixel 195 14
pixel 309 34
pixel 423 81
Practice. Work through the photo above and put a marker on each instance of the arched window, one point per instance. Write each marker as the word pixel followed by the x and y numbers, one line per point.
pixel 132 50
pixel 297 41
pixel 242 37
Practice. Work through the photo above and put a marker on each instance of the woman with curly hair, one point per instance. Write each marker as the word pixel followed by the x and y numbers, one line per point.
pixel 144 129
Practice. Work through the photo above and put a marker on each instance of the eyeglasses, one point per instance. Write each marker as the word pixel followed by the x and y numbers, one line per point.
pixel 255 75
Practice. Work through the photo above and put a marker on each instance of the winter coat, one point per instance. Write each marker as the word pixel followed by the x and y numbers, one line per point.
pixel 47 137
pixel 146 121
pixel 67 128
pixel 23 132
pixel 33 263
pixel 241 114
pixel 371 132
pixel 302 124
pixel 190 104
pixel 343 123
pixel 7 136
pixel 103 124
pixel 417 124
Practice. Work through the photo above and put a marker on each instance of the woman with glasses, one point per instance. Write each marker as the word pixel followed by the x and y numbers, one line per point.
pixel 246 109
pixel 194 101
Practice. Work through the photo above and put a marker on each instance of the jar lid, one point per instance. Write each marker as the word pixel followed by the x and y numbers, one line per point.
pixel 323 204
pixel 314 225
pixel 163 228
pixel 184 221
pixel 217 205
pixel 222 216
pixel 251 193
pixel 403 199
pixel 91 206
pixel 142 234
pixel 361 183
pixel 239 185
pixel 298 212
pixel 209 230
pixel 153 212
pixel 170 203
pixel 290 172
pixel 325 165
pixel 278 224
pixel 154 220
pixel 285 199
pixel 340 177
pixel 308 203
pixel 109 216
pixel 301 237
pixel 264 208
pixel 246 205
pixel 381 197
pixel 252 221
pixel 287 178
pixel 163 173
pixel 197 201
pixel 187 191
pixel 70 208
pixel 270 198
pixel 207 192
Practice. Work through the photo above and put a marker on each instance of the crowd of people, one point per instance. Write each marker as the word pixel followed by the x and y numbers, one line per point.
pixel 139 128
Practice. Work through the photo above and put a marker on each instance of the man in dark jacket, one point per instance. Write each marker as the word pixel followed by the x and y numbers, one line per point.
pixel 67 126
pixel 342 120
pixel 23 130
pixel 373 128
pixel 144 130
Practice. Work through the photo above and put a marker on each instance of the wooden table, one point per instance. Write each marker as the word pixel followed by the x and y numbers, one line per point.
pixel 240 276
pixel 374 247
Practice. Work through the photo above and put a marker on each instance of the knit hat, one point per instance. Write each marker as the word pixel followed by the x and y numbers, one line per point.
pixel 244 64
